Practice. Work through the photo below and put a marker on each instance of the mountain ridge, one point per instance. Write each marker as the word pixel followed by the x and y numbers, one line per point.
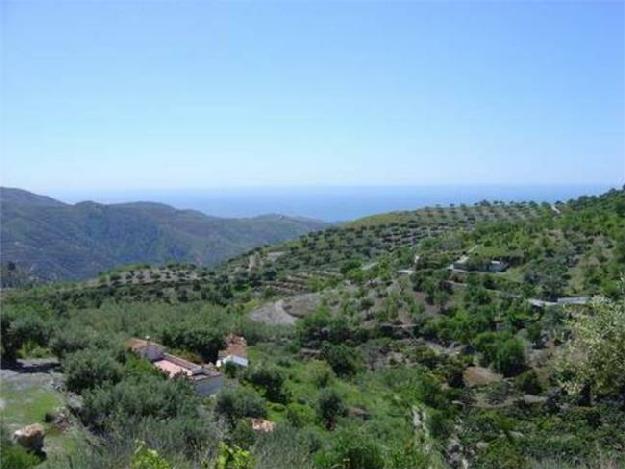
pixel 57 241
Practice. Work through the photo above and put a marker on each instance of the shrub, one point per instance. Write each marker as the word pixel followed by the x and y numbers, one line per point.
pixel 428 390
pixel 89 368
pixel 146 458
pixel 321 374
pixel 149 396
pixel 299 415
pixel 510 357
pixel 270 380
pixel 501 454
pixel 18 330
pixel 528 382
pixel 312 329
pixel 438 425
pixel 255 332
pixel 204 341
pixel 344 360
pixel 70 339
pixel 409 456
pixel 339 330
pixel 284 448
pixel 243 435
pixel 240 402
pixel 352 450
pixel 504 351
pixel 596 355
pixel 330 406
pixel 233 457
pixel 534 332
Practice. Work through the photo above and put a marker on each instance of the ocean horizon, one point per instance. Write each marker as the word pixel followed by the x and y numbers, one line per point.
pixel 333 204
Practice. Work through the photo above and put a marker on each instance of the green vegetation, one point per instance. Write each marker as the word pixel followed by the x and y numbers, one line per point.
pixel 70 242
pixel 28 400
pixel 595 357
pixel 403 360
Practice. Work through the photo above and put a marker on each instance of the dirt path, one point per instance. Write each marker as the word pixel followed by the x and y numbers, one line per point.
pixel 272 313
pixel 287 310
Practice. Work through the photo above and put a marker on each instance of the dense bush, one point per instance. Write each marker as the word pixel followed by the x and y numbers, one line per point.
pixel 205 341
pixel 330 406
pixel 300 415
pixel 240 402
pixel 352 449
pixel 528 382
pixel 17 329
pixel 342 359
pixel 312 329
pixel 71 338
pixel 321 375
pixel 89 368
pixel 596 355
pixel 148 396
pixel 242 434
pixel 270 380
pixel 505 352
pixel 147 458
pixel 284 448
pixel 510 358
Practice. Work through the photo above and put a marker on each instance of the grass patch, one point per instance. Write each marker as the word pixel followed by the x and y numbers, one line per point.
pixel 26 406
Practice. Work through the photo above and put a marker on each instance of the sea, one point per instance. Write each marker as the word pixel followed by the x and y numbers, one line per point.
pixel 333 204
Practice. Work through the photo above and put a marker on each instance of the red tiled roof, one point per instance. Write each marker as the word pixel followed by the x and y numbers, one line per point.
pixel 173 365
pixel 171 368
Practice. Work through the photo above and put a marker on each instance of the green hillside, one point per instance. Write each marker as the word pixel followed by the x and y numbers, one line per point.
pixel 411 341
pixel 56 241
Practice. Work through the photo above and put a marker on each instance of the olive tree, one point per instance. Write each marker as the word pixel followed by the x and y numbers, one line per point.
pixel 595 357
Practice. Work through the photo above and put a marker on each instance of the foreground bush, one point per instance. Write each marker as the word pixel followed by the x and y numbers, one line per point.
pixel 596 356
pixel 270 380
pixel 352 450
pixel 19 329
pixel 330 406
pixel 239 403
pixel 136 398
pixel 89 368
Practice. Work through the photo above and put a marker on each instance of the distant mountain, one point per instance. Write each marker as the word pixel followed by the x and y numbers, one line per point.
pixel 52 240
pixel 20 197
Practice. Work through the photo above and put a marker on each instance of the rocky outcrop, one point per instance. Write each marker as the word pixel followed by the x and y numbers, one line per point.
pixel 30 437
pixel 532 400
pixel 478 376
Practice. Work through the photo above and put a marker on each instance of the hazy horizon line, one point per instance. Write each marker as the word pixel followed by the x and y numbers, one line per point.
pixel 333 204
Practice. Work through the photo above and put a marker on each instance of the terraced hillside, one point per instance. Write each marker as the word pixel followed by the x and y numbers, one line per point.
pixel 360 249
pixel 314 260
pixel 311 262
pixel 51 240
pixel 492 344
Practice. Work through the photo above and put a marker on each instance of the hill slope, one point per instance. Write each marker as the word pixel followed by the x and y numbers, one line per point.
pixel 57 241
pixel 393 338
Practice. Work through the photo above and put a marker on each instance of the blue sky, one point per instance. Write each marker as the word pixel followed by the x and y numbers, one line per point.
pixel 171 95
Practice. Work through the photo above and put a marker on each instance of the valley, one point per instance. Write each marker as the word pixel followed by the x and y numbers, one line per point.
pixel 389 342
pixel 47 240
